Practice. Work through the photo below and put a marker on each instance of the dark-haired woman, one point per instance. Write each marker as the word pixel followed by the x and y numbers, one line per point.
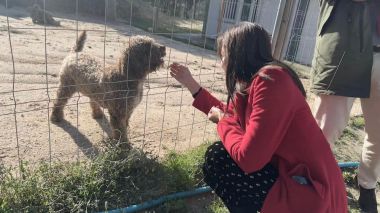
pixel 272 156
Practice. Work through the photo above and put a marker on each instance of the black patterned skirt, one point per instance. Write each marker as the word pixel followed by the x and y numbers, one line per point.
pixel 237 189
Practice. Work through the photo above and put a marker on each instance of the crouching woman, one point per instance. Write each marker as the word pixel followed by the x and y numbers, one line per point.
pixel 272 156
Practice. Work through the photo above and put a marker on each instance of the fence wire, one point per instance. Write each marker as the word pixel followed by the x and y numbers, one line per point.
pixel 13 89
pixel 157 86
pixel 164 120
pixel 47 81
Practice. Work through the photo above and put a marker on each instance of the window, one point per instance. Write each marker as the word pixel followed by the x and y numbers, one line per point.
pixel 298 24
pixel 229 9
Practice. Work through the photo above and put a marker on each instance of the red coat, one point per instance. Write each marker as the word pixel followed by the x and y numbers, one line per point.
pixel 273 123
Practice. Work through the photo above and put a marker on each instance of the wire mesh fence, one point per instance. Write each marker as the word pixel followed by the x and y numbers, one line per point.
pixel 164 120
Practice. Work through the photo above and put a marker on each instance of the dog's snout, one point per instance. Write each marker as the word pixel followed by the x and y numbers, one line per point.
pixel 163 49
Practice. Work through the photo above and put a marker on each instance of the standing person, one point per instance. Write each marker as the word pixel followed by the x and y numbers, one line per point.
pixel 345 67
pixel 272 156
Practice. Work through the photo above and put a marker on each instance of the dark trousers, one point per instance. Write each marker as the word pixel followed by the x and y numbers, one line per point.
pixel 239 191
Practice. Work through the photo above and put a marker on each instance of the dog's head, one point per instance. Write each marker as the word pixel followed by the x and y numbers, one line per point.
pixel 144 55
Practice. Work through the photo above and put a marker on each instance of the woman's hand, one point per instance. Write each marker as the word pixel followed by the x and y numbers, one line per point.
pixel 215 115
pixel 182 75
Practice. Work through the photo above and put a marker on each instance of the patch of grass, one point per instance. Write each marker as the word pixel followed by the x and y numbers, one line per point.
pixel 349 179
pixel 166 31
pixel 209 45
pixel 186 167
pixel 114 179
pixel 357 122
pixel 349 136
pixel 217 206
pixel 174 31
pixel 303 71
pixel 172 207
pixel 163 27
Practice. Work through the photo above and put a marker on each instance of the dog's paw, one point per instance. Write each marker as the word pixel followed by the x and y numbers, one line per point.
pixel 98 115
pixel 56 119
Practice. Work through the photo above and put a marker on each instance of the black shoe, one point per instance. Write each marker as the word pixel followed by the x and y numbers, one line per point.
pixel 367 200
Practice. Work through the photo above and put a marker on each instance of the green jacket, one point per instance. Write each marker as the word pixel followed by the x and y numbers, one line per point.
pixel 343 55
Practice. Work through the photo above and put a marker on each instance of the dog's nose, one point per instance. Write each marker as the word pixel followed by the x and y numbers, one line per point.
pixel 163 49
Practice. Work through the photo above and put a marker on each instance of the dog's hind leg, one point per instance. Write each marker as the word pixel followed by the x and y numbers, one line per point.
pixel 65 91
pixel 97 112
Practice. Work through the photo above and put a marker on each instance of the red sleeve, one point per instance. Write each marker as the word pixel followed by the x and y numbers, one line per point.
pixel 273 109
pixel 204 101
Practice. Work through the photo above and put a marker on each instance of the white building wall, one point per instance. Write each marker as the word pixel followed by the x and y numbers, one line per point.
pixel 309 32
pixel 266 14
pixel 212 19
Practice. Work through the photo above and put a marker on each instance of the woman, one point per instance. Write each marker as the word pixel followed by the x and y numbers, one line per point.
pixel 345 67
pixel 272 156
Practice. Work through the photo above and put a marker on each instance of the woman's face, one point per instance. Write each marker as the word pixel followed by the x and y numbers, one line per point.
pixel 223 59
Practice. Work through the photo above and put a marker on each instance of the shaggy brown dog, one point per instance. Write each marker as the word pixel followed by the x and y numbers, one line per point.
pixel 119 87
pixel 37 14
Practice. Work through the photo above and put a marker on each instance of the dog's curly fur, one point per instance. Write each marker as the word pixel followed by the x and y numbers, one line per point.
pixel 119 87
pixel 37 14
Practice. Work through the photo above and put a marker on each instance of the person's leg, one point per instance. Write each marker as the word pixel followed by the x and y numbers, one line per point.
pixel 332 113
pixel 240 192
pixel 369 169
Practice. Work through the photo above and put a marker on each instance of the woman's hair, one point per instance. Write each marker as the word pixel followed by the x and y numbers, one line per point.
pixel 247 48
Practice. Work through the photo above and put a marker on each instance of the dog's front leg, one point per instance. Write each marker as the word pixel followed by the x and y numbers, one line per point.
pixel 118 127
pixel 97 112
pixel 129 110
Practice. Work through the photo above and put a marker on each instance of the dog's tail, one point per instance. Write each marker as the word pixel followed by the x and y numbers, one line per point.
pixel 80 42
